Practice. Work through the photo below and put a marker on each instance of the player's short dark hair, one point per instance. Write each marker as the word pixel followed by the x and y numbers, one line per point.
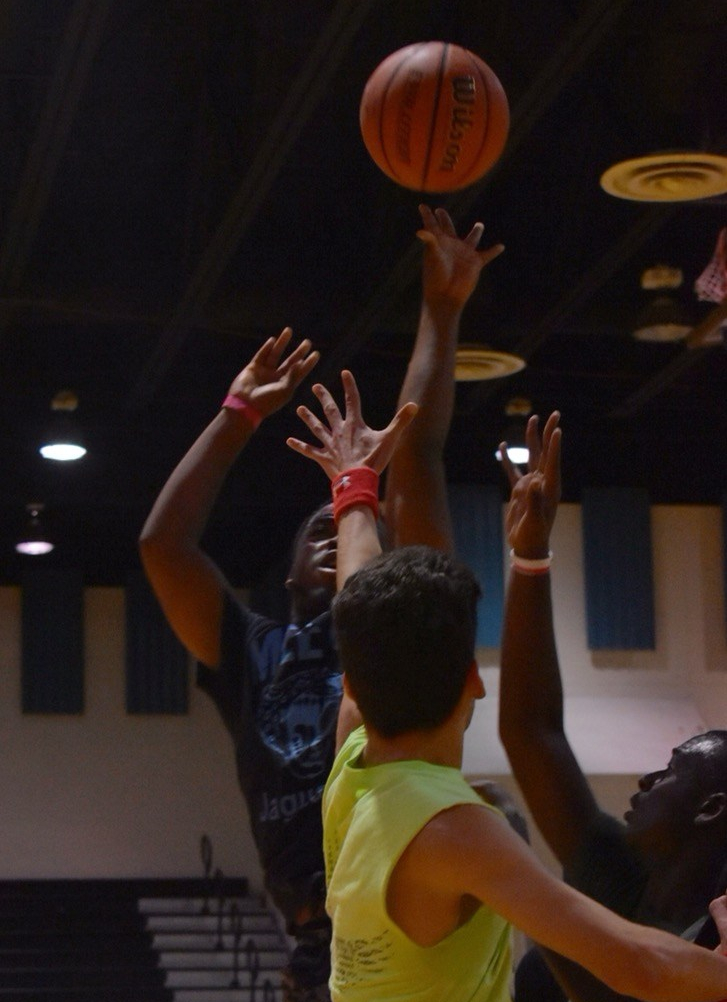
pixel 405 626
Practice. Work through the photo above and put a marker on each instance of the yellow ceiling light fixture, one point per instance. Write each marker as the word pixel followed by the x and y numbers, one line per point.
pixel 667 177
pixel 661 276
pixel 64 441
pixel 475 362
pixel 665 318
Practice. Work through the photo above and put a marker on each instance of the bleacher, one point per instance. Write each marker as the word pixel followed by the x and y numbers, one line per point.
pixel 155 940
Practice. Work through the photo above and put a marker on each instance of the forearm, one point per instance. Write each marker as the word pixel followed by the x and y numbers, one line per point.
pixel 417 509
pixel 531 694
pixel 358 542
pixel 673 970
pixel 429 379
pixel 631 961
pixel 578 983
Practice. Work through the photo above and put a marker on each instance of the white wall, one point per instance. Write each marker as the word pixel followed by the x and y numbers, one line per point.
pixel 106 794
pixel 626 710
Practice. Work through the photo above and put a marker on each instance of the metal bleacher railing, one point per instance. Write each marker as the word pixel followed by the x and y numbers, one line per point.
pixel 224 945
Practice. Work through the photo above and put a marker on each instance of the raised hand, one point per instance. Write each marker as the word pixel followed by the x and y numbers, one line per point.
pixel 346 440
pixel 535 494
pixel 269 380
pixel 452 264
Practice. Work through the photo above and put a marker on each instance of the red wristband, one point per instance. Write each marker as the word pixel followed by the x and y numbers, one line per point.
pixel 359 485
pixel 233 403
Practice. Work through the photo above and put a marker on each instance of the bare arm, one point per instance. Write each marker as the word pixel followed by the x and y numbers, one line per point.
pixel 581 986
pixel 469 851
pixel 416 497
pixel 346 442
pixel 531 696
pixel 189 585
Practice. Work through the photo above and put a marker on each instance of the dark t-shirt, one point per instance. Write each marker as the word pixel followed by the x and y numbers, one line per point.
pixel 278 690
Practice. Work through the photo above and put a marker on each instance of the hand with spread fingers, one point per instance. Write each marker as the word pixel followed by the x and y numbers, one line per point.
pixel 269 380
pixel 534 494
pixel 452 264
pixel 346 440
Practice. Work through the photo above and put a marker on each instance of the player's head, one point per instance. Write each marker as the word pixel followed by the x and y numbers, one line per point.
pixel 312 577
pixel 684 803
pixel 405 625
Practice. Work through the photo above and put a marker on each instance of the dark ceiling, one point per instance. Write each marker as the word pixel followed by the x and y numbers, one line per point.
pixel 181 178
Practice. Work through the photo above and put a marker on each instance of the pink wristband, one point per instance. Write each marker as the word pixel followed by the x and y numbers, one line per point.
pixel 524 566
pixel 233 403
pixel 359 485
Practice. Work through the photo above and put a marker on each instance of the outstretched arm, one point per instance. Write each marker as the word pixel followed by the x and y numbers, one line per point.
pixel 469 851
pixel 416 498
pixel 189 585
pixel 581 986
pixel 531 696
pixel 347 444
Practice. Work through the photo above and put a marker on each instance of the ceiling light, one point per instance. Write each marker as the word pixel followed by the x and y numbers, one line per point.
pixel 517 452
pixel 667 177
pixel 664 319
pixel 661 276
pixel 476 362
pixel 518 409
pixel 34 539
pixel 63 442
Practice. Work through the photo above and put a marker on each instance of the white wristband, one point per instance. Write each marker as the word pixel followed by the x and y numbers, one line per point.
pixel 524 566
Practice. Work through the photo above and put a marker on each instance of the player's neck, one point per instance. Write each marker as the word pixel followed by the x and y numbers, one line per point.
pixel 439 746
pixel 681 891
pixel 306 607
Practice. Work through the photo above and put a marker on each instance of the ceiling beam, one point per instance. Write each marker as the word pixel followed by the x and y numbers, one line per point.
pixel 78 48
pixel 312 83
pixel 700 341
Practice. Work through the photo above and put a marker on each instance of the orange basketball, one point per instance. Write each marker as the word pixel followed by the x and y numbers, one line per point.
pixel 434 117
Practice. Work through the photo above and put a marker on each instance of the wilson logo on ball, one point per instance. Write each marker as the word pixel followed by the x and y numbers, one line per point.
pixel 434 117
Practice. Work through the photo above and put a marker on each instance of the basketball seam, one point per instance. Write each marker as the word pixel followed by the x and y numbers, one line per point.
pixel 382 105
pixel 488 118
pixel 433 116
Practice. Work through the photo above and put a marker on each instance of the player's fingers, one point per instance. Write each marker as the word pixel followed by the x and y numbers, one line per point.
pixel 329 405
pixel 313 423
pixel 352 398
pixel 512 472
pixel 300 351
pixel 402 419
pixel 532 441
pixel 445 222
pixel 491 253
pixel 306 449
pixel 279 344
pixel 302 368
pixel 475 234
pixel 428 217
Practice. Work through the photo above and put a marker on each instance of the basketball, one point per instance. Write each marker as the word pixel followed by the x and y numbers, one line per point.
pixel 434 117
